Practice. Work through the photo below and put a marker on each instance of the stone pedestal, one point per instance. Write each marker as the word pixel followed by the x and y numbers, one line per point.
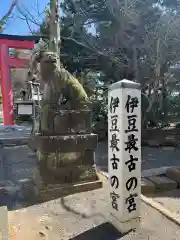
pixel 66 151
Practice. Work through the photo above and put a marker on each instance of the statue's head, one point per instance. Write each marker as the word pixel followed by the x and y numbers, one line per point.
pixel 48 62
pixel 46 57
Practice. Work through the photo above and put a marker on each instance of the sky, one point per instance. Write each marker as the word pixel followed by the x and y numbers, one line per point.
pixel 18 26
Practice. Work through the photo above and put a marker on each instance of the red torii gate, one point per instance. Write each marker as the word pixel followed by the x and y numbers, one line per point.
pixel 6 62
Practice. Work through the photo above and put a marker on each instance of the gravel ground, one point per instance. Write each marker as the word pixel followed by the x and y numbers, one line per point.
pixel 16 165
pixel 84 216
pixel 151 157
pixel 80 216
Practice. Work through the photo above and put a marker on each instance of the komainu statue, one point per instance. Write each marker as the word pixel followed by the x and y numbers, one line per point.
pixel 65 142
pixel 61 89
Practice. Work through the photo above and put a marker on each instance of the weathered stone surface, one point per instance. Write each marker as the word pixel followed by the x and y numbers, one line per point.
pixel 68 121
pixel 163 183
pixel 32 143
pixel 81 122
pixel 72 174
pixel 154 172
pixel 68 143
pixel 4 224
pixel 59 190
pixel 173 174
pixel 75 174
pixel 169 141
pixel 147 187
pixel 61 124
pixel 27 189
pixel 60 159
pixel 12 194
pixel 8 193
pixel 88 157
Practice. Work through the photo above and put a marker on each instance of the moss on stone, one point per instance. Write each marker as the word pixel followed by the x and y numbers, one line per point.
pixel 57 159
pixel 52 172
pixel 87 173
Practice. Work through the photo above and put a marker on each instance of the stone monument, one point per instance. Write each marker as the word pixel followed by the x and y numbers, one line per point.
pixel 124 154
pixel 65 144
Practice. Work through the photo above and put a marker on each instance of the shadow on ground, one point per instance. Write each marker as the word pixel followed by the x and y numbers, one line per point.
pixel 105 231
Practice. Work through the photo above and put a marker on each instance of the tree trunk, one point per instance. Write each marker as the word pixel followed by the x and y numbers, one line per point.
pixel 164 92
pixel 55 41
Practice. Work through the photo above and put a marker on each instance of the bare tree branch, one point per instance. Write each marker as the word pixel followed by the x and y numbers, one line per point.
pixel 8 14
pixel 27 16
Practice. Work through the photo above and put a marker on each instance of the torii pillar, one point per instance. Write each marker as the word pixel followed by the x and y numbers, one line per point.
pixel 6 62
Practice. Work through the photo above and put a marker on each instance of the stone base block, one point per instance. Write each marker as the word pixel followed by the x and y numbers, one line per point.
pixel 163 183
pixel 67 174
pixel 174 174
pixel 56 191
pixel 147 187
pixel 67 143
pixel 68 121
pixel 60 159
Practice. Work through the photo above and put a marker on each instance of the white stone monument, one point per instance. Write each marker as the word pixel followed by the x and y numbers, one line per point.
pixel 124 153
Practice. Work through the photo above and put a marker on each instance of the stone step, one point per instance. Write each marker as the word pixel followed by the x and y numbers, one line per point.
pixel 174 174
pixel 157 180
pixel 147 187
pixel 163 183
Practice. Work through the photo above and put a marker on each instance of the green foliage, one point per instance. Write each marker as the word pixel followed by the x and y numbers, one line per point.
pixel 137 40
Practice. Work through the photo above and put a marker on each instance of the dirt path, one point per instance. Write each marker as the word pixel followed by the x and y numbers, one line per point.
pixel 84 216
pixel 169 200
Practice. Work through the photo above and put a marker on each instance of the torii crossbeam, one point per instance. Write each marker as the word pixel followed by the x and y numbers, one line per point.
pixel 6 62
